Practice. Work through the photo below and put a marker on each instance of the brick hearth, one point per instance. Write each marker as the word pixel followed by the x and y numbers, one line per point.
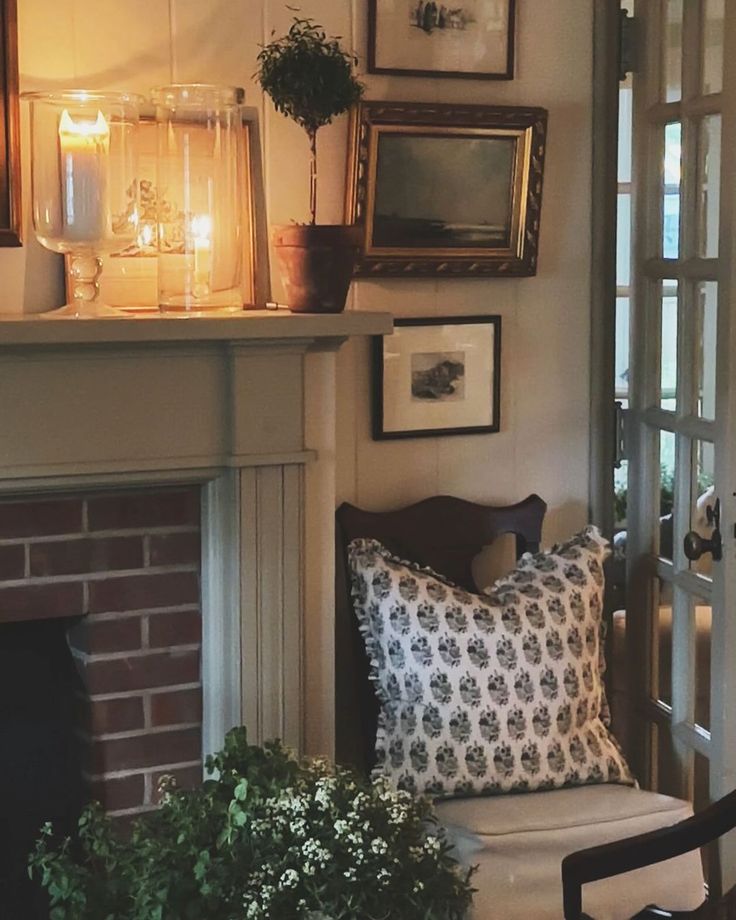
pixel 127 565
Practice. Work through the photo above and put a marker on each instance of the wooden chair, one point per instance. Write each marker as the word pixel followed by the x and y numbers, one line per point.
pixel 517 841
pixel 443 533
pixel 621 856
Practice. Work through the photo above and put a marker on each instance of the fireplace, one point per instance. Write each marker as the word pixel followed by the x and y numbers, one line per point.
pixel 216 611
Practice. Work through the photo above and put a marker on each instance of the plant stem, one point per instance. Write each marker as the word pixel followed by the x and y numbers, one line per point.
pixel 313 176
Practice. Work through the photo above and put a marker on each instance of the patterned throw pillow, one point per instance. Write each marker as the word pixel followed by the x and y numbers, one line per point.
pixel 497 692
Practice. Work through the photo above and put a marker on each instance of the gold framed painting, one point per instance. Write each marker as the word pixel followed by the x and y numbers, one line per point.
pixel 129 278
pixel 446 189
pixel 10 195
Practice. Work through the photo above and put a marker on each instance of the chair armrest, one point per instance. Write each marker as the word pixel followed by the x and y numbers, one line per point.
pixel 621 856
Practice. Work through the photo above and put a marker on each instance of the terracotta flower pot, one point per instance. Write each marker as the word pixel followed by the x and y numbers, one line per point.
pixel 316 265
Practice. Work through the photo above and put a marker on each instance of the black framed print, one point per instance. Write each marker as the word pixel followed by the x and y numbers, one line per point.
pixel 438 376
pixel 473 39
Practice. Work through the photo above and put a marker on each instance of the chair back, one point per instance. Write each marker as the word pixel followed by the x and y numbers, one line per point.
pixel 443 533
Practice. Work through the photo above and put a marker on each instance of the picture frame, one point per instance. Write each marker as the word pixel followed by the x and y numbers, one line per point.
pixel 444 189
pixel 129 279
pixel 10 190
pixel 472 40
pixel 437 376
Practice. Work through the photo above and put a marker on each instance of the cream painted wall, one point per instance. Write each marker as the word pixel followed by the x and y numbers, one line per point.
pixel 543 444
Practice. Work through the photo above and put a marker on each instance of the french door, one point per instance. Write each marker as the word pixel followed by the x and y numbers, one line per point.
pixel 681 415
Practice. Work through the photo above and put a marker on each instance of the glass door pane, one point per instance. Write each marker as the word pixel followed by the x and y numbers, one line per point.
pixel 706 305
pixel 709 185
pixel 666 493
pixel 671 175
pixel 672 51
pixel 712 51
pixel 702 500
pixel 668 347
pixel 702 624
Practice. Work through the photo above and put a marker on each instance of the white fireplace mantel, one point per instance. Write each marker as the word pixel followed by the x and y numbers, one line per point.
pixel 244 405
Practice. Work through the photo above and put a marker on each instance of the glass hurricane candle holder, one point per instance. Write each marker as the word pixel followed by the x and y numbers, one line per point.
pixel 84 184
pixel 199 162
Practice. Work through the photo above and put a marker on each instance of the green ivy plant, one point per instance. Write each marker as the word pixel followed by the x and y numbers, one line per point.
pixel 310 79
pixel 666 493
pixel 269 837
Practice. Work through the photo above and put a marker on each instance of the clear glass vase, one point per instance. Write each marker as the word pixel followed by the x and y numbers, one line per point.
pixel 199 165
pixel 84 185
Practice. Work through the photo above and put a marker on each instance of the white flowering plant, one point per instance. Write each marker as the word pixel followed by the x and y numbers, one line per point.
pixel 267 838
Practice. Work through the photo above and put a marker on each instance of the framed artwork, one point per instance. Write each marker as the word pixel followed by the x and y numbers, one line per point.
pixel 437 377
pixel 129 278
pixel 446 189
pixel 10 199
pixel 473 39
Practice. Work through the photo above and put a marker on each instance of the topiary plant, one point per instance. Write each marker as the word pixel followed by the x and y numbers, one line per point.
pixel 310 79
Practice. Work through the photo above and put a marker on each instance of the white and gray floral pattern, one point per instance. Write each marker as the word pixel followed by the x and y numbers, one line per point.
pixel 497 692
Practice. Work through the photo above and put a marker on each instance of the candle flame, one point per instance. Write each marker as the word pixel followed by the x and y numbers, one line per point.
pixel 202 227
pixel 84 128
pixel 145 237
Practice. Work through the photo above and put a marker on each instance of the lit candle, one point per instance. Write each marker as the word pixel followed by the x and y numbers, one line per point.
pixel 84 146
pixel 202 242
pixel 147 236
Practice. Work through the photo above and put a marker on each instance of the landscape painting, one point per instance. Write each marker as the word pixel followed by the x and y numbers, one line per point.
pixel 467 38
pixel 435 191
pixel 441 189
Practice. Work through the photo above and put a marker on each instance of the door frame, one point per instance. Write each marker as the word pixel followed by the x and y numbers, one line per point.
pixel 602 453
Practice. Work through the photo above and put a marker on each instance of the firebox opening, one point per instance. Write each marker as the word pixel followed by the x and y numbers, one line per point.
pixel 40 751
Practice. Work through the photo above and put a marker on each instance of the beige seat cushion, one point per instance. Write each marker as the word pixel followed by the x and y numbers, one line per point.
pixel 518 842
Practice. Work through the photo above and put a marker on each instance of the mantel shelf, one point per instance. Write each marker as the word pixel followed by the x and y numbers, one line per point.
pixel 264 325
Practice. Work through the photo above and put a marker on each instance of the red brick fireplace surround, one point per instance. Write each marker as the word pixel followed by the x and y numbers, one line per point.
pixel 123 568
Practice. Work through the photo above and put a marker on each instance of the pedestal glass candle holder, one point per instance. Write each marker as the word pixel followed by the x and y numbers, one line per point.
pixel 199 163
pixel 84 185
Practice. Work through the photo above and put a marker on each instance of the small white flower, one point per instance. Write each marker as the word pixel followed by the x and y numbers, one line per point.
pixel 289 879
pixel 299 827
pixel 379 846
pixel 432 844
